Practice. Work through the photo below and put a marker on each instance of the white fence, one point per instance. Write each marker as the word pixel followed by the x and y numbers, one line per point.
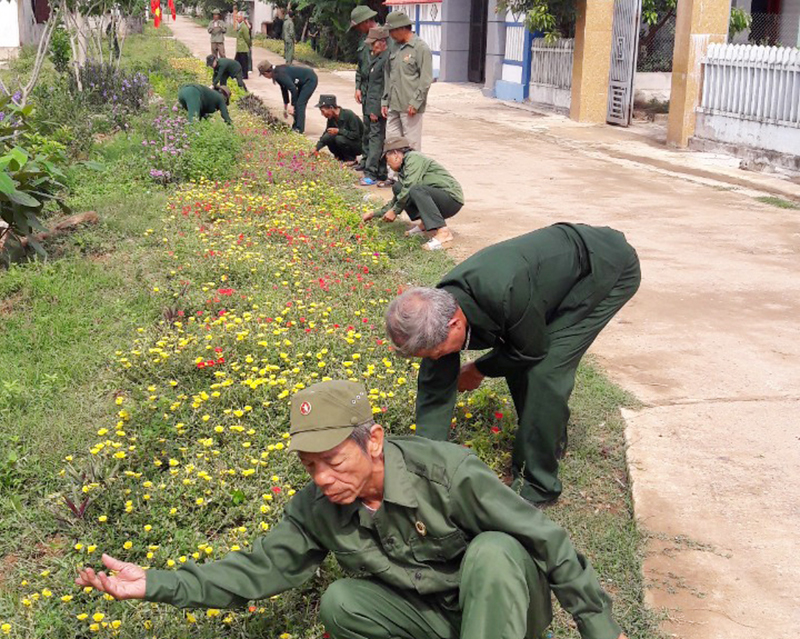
pixel 751 96
pixel 551 72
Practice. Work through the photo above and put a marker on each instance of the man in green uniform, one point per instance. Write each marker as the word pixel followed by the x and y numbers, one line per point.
pixel 362 19
pixel 537 301
pixel 425 190
pixel 243 43
pixel 288 37
pixel 217 29
pixel 442 548
pixel 201 102
pixel 342 131
pixel 225 68
pixel 375 162
pixel 409 74
pixel 297 84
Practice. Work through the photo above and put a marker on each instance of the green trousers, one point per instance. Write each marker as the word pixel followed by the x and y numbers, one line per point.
pixel 502 595
pixel 541 394
pixel 305 91
pixel 341 147
pixel 288 51
pixel 365 132
pixel 429 204
pixel 374 162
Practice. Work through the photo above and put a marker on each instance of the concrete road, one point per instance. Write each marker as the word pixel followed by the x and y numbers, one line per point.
pixel 710 344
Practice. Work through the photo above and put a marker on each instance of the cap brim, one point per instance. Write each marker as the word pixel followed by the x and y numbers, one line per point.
pixel 319 441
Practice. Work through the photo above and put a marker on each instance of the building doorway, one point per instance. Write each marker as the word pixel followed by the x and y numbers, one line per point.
pixel 478 27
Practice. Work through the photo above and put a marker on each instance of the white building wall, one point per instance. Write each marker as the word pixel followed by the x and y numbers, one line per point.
pixel 790 23
pixel 262 12
pixel 9 31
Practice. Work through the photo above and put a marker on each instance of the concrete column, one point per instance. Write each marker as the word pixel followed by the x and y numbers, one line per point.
pixel 698 24
pixel 455 41
pixel 591 60
pixel 495 48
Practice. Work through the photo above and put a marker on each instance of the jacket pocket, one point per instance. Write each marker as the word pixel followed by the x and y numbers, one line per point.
pixel 445 548
pixel 371 561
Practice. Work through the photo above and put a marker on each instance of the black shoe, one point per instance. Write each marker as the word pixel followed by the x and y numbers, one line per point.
pixel 359 167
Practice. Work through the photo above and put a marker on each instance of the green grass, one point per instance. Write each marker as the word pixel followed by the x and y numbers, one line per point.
pixel 65 322
pixel 304 53
pixel 779 202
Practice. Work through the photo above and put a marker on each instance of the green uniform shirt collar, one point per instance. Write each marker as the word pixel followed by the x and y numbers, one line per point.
pixel 397 487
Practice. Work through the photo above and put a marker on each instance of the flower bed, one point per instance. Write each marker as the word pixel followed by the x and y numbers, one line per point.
pixel 275 285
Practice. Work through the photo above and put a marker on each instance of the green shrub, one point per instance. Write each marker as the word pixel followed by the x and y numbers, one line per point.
pixel 213 150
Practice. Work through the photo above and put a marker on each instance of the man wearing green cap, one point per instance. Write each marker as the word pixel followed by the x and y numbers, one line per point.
pixel 375 163
pixel 409 74
pixel 342 131
pixel 201 102
pixel 438 546
pixel 362 19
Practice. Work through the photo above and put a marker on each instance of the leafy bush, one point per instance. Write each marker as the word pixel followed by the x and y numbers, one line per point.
pixel 255 105
pixel 113 91
pixel 60 50
pixel 27 181
pixel 213 150
pixel 166 144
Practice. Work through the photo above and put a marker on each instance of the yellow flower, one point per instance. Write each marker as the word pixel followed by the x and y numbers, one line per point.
pixel 66 598
pixel 102 519
pixel 95 627
pixel 127 545
pixel 98 617
pixel 190 617
pixel 6 628
pixel 46 592
pixel 82 616
pixel 116 624
pixel 213 612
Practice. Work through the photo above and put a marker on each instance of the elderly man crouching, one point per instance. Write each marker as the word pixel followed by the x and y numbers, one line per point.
pixel 445 548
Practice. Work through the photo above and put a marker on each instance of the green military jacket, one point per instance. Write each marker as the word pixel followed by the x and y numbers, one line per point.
pixel 437 498
pixel 373 93
pixel 514 295
pixel 243 38
pixel 217 29
pixel 201 102
pixel 290 79
pixel 408 76
pixel 349 125
pixel 288 30
pixel 363 56
pixel 420 169
pixel 226 68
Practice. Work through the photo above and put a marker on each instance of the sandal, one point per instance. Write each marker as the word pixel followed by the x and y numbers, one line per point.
pixel 385 183
pixel 435 245
pixel 414 230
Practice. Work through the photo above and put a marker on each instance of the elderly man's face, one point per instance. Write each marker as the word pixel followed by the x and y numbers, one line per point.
pixel 453 343
pixel 378 47
pixel 344 473
pixel 395 160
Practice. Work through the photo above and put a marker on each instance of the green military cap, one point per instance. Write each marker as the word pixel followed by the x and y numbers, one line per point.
pixel 376 33
pixel 327 100
pixel 397 19
pixel 361 13
pixel 323 415
pixel 393 144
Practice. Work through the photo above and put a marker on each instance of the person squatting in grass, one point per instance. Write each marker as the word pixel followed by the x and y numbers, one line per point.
pixel 297 85
pixel 538 301
pixel 342 134
pixel 201 102
pixel 425 190
pixel 443 549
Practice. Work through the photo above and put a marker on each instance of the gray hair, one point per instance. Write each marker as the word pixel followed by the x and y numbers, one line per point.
pixel 361 434
pixel 417 320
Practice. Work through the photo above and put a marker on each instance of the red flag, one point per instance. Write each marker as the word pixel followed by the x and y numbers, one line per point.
pixel 155 8
pixel 172 8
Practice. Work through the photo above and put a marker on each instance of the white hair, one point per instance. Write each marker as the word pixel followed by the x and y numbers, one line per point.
pixel 417 320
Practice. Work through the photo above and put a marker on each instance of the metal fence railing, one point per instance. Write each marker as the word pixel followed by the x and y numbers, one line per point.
pixel 752 82
pixel 551 64
pixel 656 45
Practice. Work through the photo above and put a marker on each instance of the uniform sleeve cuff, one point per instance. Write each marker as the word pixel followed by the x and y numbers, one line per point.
pixel 599 625
pixel 161 586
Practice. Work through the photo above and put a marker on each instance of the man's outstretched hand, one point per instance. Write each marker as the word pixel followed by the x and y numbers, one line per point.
pixel 128 582
pixel 469 378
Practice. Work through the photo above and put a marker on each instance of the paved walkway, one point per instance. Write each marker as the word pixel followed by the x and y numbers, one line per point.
pixel 710 344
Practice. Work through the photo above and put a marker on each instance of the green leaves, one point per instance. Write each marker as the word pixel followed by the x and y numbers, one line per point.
pixel 27 181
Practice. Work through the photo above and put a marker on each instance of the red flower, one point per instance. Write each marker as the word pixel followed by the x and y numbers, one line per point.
pixel 276 489
pixel 498 415
pixel 495 430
